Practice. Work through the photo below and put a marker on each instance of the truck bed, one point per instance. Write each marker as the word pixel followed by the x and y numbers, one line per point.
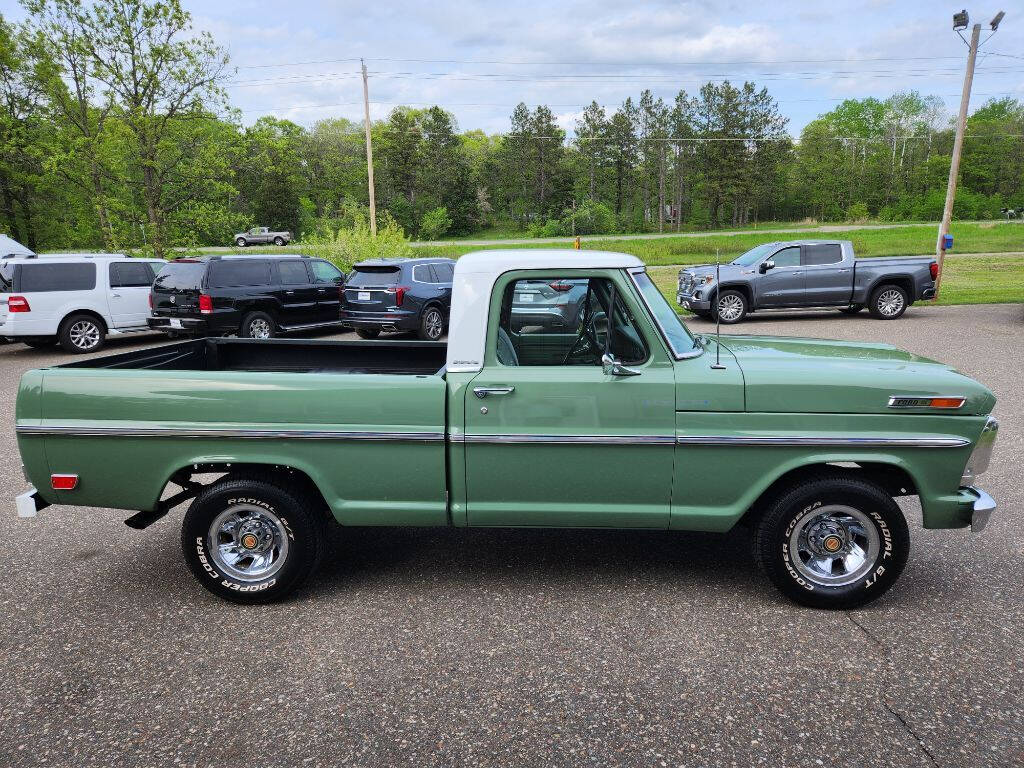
pixel 286 355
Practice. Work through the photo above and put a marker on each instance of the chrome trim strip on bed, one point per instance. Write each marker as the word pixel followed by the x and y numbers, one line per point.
pixel 844 442
pixel 568 439
pixel 245 434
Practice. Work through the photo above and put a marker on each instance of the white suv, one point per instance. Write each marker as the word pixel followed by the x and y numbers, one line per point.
pixel 76 300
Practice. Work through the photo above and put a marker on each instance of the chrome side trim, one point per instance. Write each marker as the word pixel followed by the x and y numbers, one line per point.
pixel 924 401
pixel 844 442
pixel 244 434
pixel 567 439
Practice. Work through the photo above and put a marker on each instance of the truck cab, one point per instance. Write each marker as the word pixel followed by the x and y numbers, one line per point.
pixel 621 419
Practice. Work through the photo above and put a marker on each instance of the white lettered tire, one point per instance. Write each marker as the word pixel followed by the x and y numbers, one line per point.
pixel 832 541
pixel 251 541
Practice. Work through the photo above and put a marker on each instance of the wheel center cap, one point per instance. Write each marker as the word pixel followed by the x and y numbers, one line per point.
pixel 832 543
pixel 250 541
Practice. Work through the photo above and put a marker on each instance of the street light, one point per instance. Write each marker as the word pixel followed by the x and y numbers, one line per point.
pixel 961 20
pixel 995 22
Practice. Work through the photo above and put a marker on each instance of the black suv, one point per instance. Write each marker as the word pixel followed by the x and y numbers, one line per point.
pixel 399 295
pixel 256 297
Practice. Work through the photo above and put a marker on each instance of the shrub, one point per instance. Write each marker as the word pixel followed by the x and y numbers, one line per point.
pixel 591 218
pixel 350 245
pixel 857 212
pixel 435 223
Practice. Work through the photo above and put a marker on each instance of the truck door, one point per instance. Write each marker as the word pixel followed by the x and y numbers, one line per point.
pixel 329 284
pixel 551 439
pixel 827 280
pixel 783 284
pixel 128 297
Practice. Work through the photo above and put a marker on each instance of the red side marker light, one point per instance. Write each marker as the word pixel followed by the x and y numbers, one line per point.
pixel 64 482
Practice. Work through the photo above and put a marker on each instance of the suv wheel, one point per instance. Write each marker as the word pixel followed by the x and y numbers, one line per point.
pixel 278 241
pixel 81 333
pixel 251 541
pixel 258 325
pixel 367 333
pixel 833 541
pixel 240 242
pixel 730 306
pixel 431 324
pixel 888 302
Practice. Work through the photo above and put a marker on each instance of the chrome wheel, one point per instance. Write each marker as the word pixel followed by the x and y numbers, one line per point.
pixel 247 542
pixel 259 329
pixel 890 302
pixel 433 324
pixel 730 307
pixel 834 545
pixel 84 334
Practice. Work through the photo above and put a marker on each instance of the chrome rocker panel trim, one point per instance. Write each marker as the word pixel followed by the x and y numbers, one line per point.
pixel 722 440
pixel 244 434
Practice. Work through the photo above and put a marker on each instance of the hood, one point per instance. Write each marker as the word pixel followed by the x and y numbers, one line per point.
pixel 728 271
pixel 822 376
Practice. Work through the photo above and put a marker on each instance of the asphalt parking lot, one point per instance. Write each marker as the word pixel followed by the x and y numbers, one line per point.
pixel 532 648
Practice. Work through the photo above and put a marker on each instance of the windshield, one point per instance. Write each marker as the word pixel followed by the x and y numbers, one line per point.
pixel 754 255
pixel 180 276
pixel 677 335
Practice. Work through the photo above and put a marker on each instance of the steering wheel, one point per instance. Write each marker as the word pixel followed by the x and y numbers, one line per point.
pixel 586 339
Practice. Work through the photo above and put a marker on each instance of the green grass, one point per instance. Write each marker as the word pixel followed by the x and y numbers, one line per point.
pixel 971 237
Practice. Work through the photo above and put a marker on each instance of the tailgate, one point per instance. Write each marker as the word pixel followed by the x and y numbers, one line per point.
pixel 176 289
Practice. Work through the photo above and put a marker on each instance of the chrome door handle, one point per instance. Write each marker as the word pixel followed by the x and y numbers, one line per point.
pixel 483 392
pixel 289 292
pixel 116 295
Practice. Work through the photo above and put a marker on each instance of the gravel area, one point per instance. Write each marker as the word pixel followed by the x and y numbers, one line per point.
pixel 516 647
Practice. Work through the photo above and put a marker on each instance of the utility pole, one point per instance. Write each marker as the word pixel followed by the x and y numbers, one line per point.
pixel 369 151
pixel 960 21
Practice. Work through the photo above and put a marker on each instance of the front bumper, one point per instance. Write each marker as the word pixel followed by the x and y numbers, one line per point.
pixel 30 502
pixel 982 507
pixel 694 303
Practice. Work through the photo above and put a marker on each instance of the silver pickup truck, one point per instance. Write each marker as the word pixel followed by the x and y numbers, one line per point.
pixel 262 236
pixel 806 273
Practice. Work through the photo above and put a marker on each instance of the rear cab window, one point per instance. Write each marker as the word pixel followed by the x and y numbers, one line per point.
pixel 45 278
pixel 822 253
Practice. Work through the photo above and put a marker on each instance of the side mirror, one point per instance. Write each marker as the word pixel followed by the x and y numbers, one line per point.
pixel 766 265
pixel 613 367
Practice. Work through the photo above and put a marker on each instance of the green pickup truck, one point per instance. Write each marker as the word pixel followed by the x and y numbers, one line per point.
pixel 622 420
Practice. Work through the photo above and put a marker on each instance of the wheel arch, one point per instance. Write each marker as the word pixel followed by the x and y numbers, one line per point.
pixel 743 288
pixel 68 314
pixel 904 281
pixel 889 473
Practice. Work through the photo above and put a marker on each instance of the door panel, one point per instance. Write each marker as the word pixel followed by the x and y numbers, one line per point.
pixel 783 285
pixel 128 298
pixel 568 445
pixel 827 280
pixel 298 296
pixel 328 281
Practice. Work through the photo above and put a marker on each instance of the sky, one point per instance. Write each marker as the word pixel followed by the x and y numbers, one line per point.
pixel 299 59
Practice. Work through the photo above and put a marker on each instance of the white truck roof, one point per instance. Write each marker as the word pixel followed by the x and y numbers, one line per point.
pixel 11 247
pixel 473 283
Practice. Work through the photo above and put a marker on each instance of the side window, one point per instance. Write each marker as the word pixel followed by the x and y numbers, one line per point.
pixel 822 253
pixel 787 257
pixel 421 273
pixel 239 273
pixel 444 272
pixel 293 272
pixel 566 321
pixel 325 272
pixel 128 274
pixel 38 278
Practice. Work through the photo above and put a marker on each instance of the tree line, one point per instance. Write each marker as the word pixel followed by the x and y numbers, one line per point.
pixel 116 132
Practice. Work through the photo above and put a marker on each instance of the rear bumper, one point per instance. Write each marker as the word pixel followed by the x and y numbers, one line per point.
pixel 30 502
pixel 383 321
pixel 188 324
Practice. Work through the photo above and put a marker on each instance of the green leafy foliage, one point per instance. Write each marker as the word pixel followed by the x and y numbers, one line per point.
pixel 435 224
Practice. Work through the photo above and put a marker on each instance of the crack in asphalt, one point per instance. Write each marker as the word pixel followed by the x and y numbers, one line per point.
pixel 870 636
pixel 908 729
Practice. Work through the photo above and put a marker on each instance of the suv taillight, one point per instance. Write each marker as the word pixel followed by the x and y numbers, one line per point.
pixel 205 304
pixel 934 269
pixel 399 291
pixel 18 304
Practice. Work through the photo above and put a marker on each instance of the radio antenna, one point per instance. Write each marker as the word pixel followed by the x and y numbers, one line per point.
pixel 718 315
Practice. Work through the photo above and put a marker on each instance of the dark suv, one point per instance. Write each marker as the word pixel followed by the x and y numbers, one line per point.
pixel 399 295
pixel 254 296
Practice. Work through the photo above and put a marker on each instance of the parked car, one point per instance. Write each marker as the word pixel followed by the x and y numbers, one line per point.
pixel 399 295
pixel 255 297
pixel 627 421
pixel 807 273
pixel 76 300
pixel 262 236
pixel 554 305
